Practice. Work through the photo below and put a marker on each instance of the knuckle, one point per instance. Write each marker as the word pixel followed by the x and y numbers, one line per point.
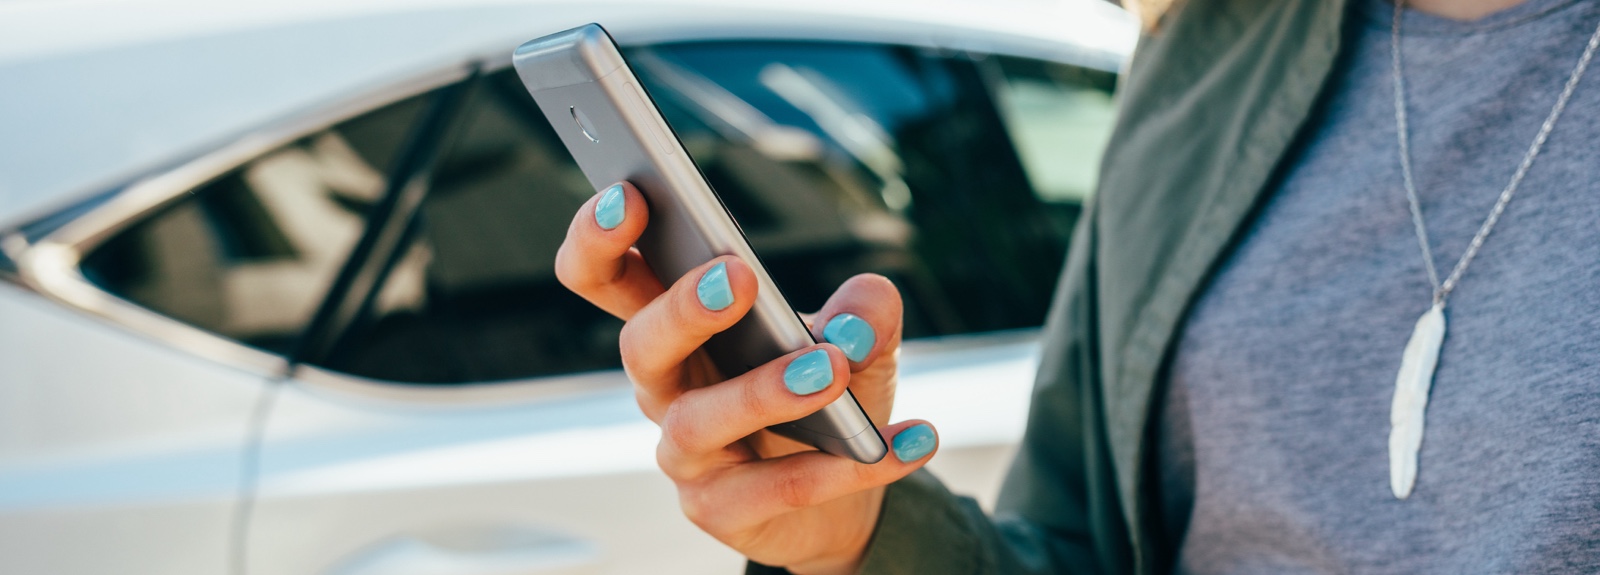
pixel 628 343
pixel 568 272
pixel 865 476
pixel 678 432
pixel 575 273
pixel 796 490
pixel 664 459
pixel 697 507
pixel 639 344
pixel 752 400
pixel 667 460
pixel 649 404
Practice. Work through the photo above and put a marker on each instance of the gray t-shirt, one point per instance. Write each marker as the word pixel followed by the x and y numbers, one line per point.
pixel 1273 438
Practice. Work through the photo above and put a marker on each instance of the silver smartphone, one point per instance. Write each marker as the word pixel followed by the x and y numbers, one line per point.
pixel 615 132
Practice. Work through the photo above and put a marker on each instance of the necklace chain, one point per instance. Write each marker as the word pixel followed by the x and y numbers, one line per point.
pixel 1441 291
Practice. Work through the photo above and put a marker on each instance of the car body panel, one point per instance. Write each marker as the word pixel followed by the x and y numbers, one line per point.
pixel 157 452
pixel 576 467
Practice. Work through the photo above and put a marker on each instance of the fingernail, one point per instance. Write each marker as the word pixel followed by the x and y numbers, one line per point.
pixel 809 373
pixel 714 291
pixel 852 334
pixel 914 442
pixel 612 207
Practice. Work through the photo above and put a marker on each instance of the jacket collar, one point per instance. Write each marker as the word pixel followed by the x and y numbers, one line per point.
pixel 1211 106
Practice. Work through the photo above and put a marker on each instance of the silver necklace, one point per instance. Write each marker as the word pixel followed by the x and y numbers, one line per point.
pixel 1411 385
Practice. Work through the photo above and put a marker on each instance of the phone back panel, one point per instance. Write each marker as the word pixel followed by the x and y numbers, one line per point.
pixel 615 133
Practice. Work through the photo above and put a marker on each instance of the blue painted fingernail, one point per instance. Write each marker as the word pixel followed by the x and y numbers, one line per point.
pixel 809 373
pixel 852 334
pixel 714 291
pixel 914 442
pixel 612 207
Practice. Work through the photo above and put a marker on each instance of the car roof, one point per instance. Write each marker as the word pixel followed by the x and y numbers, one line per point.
pixel 99 92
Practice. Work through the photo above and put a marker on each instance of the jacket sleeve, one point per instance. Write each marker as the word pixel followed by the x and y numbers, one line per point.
pixel 1057 512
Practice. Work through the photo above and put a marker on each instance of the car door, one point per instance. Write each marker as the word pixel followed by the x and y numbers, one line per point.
pixel 466 415
pixel 154 325
pixel 114 449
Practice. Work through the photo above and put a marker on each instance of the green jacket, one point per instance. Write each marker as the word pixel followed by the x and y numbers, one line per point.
pixel 1210 107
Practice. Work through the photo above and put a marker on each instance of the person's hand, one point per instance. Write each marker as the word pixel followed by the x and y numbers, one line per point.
pixel 777 501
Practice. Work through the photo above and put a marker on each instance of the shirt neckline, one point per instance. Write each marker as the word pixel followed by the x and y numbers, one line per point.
pixel 1380 13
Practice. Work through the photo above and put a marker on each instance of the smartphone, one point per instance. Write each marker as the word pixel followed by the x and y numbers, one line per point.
pixel 615 133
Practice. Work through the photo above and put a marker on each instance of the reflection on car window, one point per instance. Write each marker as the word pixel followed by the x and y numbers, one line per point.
pixel 249 255
pixel 474 297
pixel 1060 118
pixel 839 159
pixel 933 169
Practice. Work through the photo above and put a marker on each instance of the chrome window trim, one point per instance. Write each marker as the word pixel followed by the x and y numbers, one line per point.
pixel 50 265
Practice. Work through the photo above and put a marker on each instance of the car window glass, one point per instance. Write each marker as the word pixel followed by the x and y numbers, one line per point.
pixel 474 297
pixel 250 254
pixel 844 158
pixel 836 159
pixel 1060 117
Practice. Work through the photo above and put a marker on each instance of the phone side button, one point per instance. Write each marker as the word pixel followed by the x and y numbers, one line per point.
pixel 643 109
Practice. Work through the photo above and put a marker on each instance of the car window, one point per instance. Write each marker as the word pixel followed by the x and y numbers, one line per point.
pixel 1060 117
pixel 250 254
pixel 474 297
pixel 842 158
pixel 836 159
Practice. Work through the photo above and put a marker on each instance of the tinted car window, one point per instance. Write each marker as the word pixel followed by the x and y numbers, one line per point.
pixel 475 297
pixel 836 159
pixel 250 254
pixel 1060 117
pixel 839 159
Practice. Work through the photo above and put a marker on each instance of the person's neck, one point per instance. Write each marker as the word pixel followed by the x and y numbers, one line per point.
pixel 1463 10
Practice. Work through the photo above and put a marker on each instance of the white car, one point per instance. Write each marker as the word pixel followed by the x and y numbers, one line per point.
pixel 276 288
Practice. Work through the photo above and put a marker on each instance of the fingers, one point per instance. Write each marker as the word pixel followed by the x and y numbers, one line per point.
pixel 665 332
pixel 862 318
pixel 765 489
pixel 597 260
pixel 702 423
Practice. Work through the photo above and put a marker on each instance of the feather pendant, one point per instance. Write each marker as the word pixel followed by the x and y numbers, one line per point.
pixel 1411 399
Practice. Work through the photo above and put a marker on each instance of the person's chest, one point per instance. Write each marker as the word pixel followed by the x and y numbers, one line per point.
pixel 1286 365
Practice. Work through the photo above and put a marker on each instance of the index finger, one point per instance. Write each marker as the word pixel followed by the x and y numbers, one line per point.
pixel 597 261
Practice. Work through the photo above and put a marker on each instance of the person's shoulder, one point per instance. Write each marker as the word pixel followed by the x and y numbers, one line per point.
pixel 1209 104
pixel 1206 52
pixel 1202 26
